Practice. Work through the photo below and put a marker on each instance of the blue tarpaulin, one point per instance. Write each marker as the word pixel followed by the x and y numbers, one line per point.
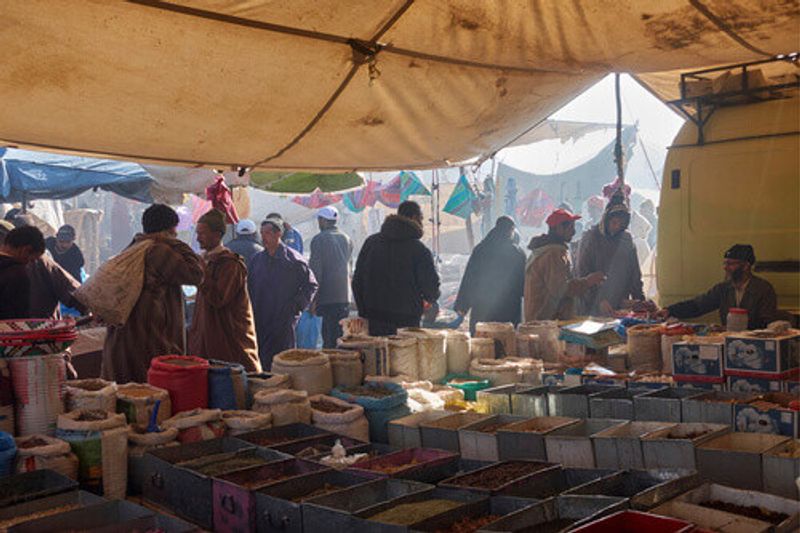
pixel 27 175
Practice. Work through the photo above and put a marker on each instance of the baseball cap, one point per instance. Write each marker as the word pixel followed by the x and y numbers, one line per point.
pixel 66 233
pixel 328 213
pixel 246 227
pixel 560 215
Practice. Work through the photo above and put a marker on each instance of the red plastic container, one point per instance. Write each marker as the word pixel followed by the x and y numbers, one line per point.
pixel 634 522
pixel 185 377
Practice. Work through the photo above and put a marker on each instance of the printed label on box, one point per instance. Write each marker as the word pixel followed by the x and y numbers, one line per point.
pixel 697 360
pixel 709 353
pixel 774 421
pixel 753 385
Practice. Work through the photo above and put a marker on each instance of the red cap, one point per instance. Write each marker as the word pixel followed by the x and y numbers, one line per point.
pixel 560 215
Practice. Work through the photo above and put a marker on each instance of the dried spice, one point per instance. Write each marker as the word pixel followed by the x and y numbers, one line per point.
pixel 410 513
pixel 468 525
pixel 180 362
pixel 313 451
pixel 756 513
pixel 137 392
pixel 492 428
pixel 389 468
pixel 5 524
pixel 326 406
pixel 33 442
pixel 91 416
pixel 372 392
pixel 454 421
pixel 327 488
pixel 496 476
pixel 223 466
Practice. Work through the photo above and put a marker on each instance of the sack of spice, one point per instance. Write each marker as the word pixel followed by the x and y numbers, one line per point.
pixel 238 422
pixel 197 424
pixel 258 381
pixel 497 371
pixel 382 403
pixel 285 406
pixel 347 367
pixel 39 452
pixel 90 394
pixel 100 441
pixel 139 443
pixel 310 370
pixel 227 385
pixel 339 417
pixel 137 400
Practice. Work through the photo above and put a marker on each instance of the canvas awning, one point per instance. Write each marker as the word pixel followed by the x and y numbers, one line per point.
pixel 331 85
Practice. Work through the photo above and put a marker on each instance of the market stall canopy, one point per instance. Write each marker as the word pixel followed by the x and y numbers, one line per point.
pixel 331 86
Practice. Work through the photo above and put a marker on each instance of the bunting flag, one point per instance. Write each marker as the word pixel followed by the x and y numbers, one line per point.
pixel 362 198
pixel 461 201
pixel 316 199
pixel 534 207
pixel 400 188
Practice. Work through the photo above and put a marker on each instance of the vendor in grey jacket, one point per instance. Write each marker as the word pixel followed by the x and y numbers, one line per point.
pixel 740 289
pixel 331 251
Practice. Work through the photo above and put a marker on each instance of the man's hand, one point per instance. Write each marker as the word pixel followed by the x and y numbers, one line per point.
pixel 662 314
pixel 606 308
pixel 595 278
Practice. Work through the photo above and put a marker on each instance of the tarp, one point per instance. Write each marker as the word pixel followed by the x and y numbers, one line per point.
pixel 461 200
pixel 332 86
pixel 26 174
pixel 304 182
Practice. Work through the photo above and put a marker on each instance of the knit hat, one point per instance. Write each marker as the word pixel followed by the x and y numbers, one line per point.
pixel 215 220
pixel 741 252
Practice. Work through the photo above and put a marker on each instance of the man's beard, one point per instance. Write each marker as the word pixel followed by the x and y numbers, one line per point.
pixel 736 276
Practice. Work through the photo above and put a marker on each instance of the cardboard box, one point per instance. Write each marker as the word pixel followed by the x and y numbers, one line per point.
pixel 754 385
pixel 756 417
pixel 760 354
pixel 792 387
pixel 691 358
pixel 717 384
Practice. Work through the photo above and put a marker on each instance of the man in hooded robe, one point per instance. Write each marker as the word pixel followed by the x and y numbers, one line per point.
pixel 222 326
pixel 608 248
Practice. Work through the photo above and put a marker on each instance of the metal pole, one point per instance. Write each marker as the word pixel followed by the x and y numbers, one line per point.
pixel 618 156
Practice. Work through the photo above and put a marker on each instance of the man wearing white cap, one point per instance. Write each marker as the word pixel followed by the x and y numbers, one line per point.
pixel 246 243
pixel 331 251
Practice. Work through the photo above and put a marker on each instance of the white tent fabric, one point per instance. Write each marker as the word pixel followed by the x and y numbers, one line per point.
pixel 334 85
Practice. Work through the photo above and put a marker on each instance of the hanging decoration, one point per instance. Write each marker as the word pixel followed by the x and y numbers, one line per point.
pixel 400 188
pixel 220 196
pixel 534 207
pixel 317 199
pixel 358 200
pixel 461 200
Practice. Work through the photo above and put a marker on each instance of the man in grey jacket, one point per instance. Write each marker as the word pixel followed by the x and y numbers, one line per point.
pixel 246 243
pixel 331 251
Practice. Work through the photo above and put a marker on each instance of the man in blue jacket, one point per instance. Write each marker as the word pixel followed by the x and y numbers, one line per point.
pixel 281 286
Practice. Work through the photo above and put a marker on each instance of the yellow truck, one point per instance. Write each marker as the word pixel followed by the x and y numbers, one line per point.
pixel 732 176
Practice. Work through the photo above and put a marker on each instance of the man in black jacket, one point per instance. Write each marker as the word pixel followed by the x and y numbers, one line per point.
pixel 494 278
pixel 395 275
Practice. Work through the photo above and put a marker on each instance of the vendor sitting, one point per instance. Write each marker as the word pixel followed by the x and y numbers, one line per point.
pixel 740 289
